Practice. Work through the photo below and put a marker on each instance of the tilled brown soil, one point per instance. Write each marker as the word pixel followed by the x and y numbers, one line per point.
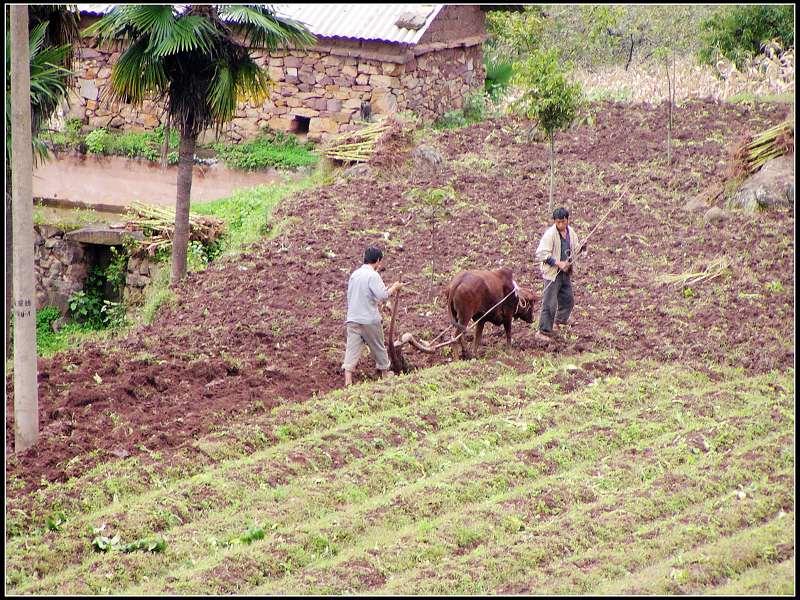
pixel 268 327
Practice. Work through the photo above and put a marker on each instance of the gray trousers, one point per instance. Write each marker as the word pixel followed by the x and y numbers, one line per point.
pixel 557 302
pixel 372 336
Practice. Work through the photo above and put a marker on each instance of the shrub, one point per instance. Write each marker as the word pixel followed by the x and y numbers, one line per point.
pixel 89 307
pixel 97 141
pixel 737 32
pixel 474 110
pixel 270 149
pixel 498 75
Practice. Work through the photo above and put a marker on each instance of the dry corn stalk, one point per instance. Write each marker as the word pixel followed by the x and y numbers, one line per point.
pixel 776 141
pixel 713 269
pixel 159 222
pixel 356 146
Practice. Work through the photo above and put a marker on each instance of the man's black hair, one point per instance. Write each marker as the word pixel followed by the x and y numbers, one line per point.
pixel 560 213
pixel 372 255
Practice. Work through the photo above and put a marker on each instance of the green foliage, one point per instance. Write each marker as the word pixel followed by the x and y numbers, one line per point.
pixel 97 141
pixel 548 98
pixel 85 308
pixel 132 144
pixel 103 543
pixel 197 257
pixel 48 82
pixel 246 213
pixel 144 144
pixel 45 336
pixel 737 32
pixel 498 76
pixel 774 287
pixel 475 109
pixel 116 269
pixel 155 301
pixel 270 149
pixel 88 306
pixel 72 127
pixel 514 34
pixel 48 342
pixel 592 35
pixel 55 521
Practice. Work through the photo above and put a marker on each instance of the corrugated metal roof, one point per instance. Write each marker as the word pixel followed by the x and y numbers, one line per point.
pixel 355 21
pixel 361 21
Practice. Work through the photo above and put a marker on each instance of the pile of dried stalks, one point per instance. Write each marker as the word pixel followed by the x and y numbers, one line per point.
pixel 753 151
pixel 158 225
pixel 713 269
pixel 356 146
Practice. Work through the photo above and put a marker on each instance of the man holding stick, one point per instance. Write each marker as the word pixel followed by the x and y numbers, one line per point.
pixel 554 253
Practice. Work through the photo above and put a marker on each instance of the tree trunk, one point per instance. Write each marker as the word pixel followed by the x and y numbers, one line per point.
pixel 552 171
pixel 165 144
pixel 180 242
pixel 630 54
pixel 26 397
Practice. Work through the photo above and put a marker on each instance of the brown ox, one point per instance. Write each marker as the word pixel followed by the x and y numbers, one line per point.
pixel 472 293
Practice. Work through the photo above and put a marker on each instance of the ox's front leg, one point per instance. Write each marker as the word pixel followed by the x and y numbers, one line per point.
pixel 507 327
pixel 478 334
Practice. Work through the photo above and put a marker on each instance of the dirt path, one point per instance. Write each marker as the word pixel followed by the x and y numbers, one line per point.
pixel 267 327
pixel 116 180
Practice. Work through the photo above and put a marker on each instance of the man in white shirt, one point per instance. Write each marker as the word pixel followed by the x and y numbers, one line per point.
pixel 365 292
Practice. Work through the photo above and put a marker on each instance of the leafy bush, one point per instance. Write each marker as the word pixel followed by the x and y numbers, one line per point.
pixel 737 32
pixel 97 141
pixel 89 307
pixel 498 75
pixel 45 336
pixel 133 144
pixel 144 144
pixel 85 308
pixel 474 110
pixel 116 269
pixel 270 149
pixel 196 257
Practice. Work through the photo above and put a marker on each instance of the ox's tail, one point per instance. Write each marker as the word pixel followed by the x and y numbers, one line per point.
pixel 451 291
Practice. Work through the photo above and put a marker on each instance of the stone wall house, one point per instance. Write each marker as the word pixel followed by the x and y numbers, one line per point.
pixel 378 58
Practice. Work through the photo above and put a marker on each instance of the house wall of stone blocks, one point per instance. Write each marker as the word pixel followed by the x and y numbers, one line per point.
pixel 321 90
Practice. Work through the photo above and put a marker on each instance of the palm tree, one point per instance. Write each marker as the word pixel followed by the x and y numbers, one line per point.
pixel 52 29
pixel 198 59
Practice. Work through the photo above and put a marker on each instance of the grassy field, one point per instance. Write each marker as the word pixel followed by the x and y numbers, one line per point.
pixel 569 476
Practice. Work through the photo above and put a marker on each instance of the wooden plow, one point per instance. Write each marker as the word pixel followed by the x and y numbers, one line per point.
pixel 395 347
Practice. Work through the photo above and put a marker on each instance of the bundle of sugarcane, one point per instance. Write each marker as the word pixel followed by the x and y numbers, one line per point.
pixel 752 153
pixel 356 146
pixel 713 269
pixel 158 224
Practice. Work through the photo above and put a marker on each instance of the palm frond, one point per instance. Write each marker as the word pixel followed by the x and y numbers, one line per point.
pixel 186 34
pixel 136 74
pixel 262 28
pixel 222 94
pixel 113 26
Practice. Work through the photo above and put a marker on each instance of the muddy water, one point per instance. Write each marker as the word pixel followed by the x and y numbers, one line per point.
pixel 116 180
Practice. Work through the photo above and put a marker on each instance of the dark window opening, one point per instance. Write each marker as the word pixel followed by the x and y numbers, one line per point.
pixel 300 124
pixel 99 257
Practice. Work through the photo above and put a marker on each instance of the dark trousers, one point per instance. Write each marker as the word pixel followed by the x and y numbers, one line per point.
pixel 557 302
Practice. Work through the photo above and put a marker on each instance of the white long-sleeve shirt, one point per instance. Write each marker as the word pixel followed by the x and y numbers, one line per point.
pixel 365 291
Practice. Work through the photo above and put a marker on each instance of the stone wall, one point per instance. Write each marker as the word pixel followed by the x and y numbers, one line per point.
pixel 326 84
pixel 61 266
